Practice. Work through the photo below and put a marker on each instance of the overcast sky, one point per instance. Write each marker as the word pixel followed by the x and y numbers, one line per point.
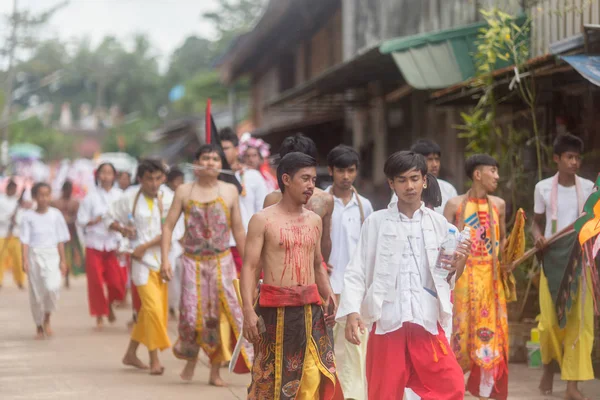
pixel 166 22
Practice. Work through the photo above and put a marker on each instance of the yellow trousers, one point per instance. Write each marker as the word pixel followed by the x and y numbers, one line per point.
pixel 151 326
pixel 12 258
pixel 310 385
pixel 571 346
pixel 225 352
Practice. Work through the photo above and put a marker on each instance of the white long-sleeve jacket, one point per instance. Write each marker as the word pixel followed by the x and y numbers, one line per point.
pixel 372 275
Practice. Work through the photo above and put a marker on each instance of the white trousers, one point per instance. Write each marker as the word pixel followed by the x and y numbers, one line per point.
pixel 44 282
pixel 351 363
pixel 175 284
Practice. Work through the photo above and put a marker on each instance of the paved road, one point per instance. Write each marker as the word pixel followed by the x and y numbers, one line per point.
pixel 81 363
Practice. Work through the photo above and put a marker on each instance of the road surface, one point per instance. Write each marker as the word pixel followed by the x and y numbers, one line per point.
pixel 81 363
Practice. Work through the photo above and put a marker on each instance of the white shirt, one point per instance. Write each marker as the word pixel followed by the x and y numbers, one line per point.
pixel 448 192
pixel 382 282
pixel 8 207
pixel 96 204
pixel 256 191
pixel 148 223
pixel 412 303
pixel 345 231
pixel 568 205
pixel 44 231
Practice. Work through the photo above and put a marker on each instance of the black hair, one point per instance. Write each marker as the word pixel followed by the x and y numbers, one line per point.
pixel 343 156
pixel 479 160
pixel 209 148
pixel 11 184
pixel 227 134
pixel 292 163
pixel 298 143
pixel 568 142
pixel 97 174
pixel 173 174
pixel 426 147
pixel 36 188
pixel 403 161
pixel 149 165
pixel 68 185
pixel 432 194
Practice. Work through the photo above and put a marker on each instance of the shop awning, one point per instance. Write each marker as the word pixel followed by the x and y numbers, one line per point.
pixel 587 66
pixel 436 60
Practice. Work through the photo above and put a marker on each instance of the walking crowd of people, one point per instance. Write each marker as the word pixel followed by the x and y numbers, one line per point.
pixel 270 275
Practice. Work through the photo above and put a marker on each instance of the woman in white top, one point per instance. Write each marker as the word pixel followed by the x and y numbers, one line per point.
pixel 43 235
pixel 101 263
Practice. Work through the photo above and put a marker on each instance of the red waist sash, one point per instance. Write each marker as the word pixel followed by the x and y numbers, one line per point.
pixel 290 296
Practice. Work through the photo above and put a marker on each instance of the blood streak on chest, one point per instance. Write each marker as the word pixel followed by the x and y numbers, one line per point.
pixel 298 242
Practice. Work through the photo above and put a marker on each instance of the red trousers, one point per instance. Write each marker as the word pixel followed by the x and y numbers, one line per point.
pixel 413 358
pixel 102 268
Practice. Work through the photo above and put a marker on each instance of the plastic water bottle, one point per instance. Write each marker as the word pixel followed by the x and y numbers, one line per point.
pixel 446 255
pixel 464 235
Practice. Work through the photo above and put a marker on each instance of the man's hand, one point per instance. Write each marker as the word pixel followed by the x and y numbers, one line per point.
pixel 330 308
pixel 63 268
pixel 95 221
pixel 166 272
pixel 128 231
pixel 26 267
pixel 508 267
pixel 250 326
pixel 353 324
pixel 329 269
pixel 139 252
pixel 461 255
pixel 540 242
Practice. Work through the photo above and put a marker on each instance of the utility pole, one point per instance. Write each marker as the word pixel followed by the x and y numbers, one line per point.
pixel 10 81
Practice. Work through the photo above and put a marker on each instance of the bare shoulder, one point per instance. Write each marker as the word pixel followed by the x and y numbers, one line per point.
pixel 183 191
pixel 272 198
pixel 498 202
pixel 312 217
pixel 321 203
pixel 455 201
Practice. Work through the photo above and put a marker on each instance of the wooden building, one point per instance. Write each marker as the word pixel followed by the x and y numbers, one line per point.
pixel 316 68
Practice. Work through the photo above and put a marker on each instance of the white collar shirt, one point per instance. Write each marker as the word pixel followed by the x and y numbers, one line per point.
pixel 255 191
pixel 96 204
pixel 8 208
pixel 416 299
pixel 345 232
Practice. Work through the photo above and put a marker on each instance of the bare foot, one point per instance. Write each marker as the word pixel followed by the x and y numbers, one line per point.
pixel 99 324
pixel 48 330
pixel 547 381
pixel 188 371
pixel 157 370
pixel 218 382
pixel 573 392
pixel 39 335
pixel 20 285
pixel 134 361
pixel 111 315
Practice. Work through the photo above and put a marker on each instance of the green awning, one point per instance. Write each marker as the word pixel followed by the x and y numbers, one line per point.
pixel 436 60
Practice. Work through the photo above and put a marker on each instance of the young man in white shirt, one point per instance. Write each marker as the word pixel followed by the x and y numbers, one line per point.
pixel 433 155
pixel 254 187
pixel 349 212
pixel 10 246
pixel 148 207
pixel 44 233
pixel 393 286
pixel 558 202
pixel 101 263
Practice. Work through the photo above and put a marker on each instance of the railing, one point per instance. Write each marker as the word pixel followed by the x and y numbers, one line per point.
pixel 556 20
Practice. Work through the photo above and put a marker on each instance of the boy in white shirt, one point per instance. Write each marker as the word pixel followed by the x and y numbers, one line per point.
pixel 349 212
pixel 558 202
pixel 393 286
pixel 147 207
pixel 44 233
pixel 10 247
